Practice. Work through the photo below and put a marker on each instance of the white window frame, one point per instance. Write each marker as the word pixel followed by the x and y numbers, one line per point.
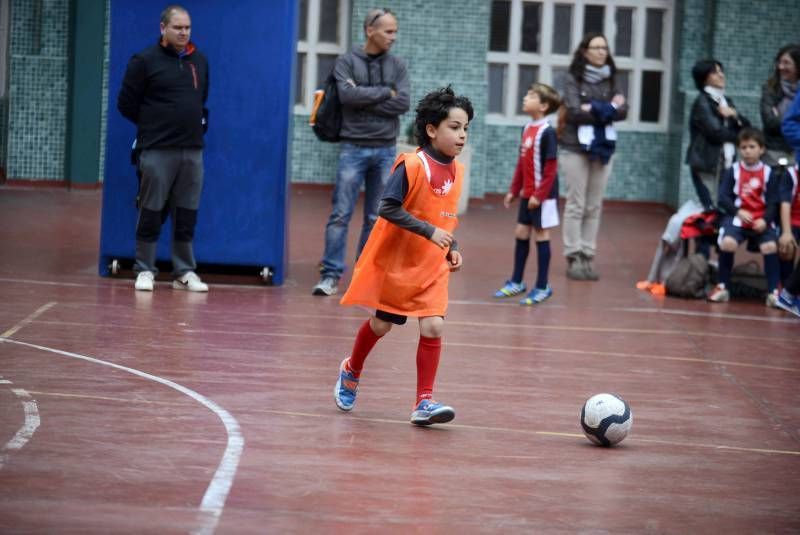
pixel 545 60
pixel 311 47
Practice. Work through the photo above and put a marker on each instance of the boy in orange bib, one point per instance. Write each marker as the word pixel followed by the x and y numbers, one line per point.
pixel 405 266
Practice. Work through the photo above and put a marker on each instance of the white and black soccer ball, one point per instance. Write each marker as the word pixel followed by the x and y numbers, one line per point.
pixel 606 419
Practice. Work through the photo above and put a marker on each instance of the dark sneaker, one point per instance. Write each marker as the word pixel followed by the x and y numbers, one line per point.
pixel 346 388
pixel 430 412
pixel 576 270
pixel 588 268
pixel 326 286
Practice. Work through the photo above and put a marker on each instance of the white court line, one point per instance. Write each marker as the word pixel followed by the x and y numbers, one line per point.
pixel 28 428
pixel 468 302
pixel 217 491
pixel 38 312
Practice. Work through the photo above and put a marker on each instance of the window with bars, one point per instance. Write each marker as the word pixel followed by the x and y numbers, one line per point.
pixel 533 41
pixel 322 36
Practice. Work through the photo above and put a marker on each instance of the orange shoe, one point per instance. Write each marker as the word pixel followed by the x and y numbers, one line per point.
pixel 644 285
pixel 658 289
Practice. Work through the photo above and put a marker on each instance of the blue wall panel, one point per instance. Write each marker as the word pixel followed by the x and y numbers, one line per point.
pixel 250 46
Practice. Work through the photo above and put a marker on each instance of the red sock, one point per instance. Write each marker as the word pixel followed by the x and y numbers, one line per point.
pixel 365 341
pixel 428 352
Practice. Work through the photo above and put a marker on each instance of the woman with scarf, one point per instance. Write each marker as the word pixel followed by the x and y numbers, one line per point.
pixel 592 103
pixel 777 95
pixel 714 124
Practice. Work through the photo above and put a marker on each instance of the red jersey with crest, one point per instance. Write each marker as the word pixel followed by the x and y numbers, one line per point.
pixel 535 175
pixel 750 189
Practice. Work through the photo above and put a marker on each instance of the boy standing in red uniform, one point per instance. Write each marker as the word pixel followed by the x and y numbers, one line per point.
pixel 405 266
pixel 748 197
pixel 536 180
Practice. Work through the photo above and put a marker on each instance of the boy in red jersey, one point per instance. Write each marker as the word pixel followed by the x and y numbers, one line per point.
pixel 748 196
pixel 406 263
pixel 535 178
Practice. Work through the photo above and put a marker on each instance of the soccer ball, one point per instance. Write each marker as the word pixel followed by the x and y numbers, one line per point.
pixel 606 419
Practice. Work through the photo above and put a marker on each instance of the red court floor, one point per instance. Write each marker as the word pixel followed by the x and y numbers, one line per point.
pixel 123 412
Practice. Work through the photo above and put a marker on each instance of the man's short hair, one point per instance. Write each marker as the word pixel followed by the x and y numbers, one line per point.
pixel 751 134
pixel 373 15
pixel 169 11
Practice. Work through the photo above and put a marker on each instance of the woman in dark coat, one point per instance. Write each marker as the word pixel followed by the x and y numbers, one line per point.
pixel 714 124
pixel 777 95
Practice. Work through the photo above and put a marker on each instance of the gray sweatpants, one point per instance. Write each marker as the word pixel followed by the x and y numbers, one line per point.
pixel 171 179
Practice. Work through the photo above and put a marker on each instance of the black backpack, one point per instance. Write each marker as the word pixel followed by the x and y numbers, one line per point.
pixel 326 115
pixel 689 277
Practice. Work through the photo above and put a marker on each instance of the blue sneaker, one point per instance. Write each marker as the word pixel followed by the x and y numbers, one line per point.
pixel 510 289
pixel 537 295
pixel 429 412
pixel 789 302
pixel 346 389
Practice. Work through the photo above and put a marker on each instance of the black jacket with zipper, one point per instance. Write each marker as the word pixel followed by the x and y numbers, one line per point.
pixel 164 95
pixel 708 131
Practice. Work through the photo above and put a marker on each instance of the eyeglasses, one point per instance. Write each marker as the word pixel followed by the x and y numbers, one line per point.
pixel 379 14
pixel 598 48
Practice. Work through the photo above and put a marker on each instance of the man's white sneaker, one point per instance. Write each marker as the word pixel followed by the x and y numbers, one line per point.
pixel 144 281
pixel 191 282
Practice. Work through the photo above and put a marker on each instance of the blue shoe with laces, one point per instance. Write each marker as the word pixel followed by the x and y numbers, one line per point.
pixel 346 388
pixel 510 289
pixel 430 412
pixel 537 295
pixel 788 302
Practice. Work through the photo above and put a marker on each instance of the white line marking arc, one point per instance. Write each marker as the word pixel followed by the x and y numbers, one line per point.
pixel 217 492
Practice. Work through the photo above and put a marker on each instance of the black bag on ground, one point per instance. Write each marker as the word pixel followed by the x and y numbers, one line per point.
pixel 326 115
pixel 689 277
pixel 748 281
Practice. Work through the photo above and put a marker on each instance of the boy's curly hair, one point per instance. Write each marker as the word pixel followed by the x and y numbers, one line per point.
pixel 435 107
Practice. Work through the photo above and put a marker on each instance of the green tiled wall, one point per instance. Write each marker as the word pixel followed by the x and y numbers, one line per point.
pixel 37 89
pixel 431 65
pixel 649 166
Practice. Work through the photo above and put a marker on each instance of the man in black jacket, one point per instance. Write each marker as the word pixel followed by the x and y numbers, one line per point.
pixel 163 93
pixel 374 90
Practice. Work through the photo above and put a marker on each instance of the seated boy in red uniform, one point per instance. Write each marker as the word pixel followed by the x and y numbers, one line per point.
pixel 405 266
pixel 748 197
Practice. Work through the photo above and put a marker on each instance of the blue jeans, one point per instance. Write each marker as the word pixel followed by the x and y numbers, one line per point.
pixel 358 165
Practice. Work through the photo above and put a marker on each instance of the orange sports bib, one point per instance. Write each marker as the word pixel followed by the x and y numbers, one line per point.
pixel 402 272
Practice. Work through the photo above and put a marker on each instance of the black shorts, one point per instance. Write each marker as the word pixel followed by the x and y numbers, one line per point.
pixel 754 239
pixel 397 319
pixel 542 217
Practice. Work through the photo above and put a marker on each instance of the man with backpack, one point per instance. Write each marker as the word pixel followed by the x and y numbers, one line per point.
pixel 373 88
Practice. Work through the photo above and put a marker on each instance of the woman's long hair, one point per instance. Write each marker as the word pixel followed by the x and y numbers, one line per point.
pixel 793 49
pixel 578 65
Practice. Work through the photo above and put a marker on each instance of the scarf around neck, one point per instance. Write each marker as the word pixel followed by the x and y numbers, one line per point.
pixel 789 92
pixel 716 94
pixel 593 75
